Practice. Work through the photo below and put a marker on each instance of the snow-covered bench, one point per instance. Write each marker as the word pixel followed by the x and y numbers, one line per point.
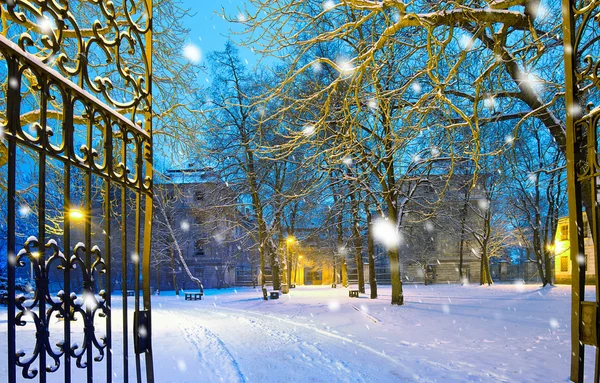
pixel 353 293
pixel 192 296
pixel 273 294
pixel 130 293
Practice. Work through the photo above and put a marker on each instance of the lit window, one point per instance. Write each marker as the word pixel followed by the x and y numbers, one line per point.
pixel 564 232
pixel 564 264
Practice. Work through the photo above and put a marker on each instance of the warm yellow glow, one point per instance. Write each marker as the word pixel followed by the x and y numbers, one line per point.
pixel 290 240
pixel 35 254
pixel 76 215
pixel 550 248
pixel 300 257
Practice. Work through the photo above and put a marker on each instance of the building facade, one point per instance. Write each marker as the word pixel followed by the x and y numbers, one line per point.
pixel 563 254
pixel 197 220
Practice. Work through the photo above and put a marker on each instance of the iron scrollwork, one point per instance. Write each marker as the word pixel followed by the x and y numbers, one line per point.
pixel 88 305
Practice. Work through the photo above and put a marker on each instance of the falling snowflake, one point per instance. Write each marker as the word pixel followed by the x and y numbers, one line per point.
pixel 532 177
pixel 135 258
pixel 429 226
pixel 575 109
pixel 1 132
pixel 185 225
pixel 142 331
pixel 581 259
pixel 542 12
pixel 434 152
pixel 345 67
pixel 396 16
pixel 242 18
pixel 192 53
pixel 372 104
pixel 554 324
pixel 333 306
pixel 347 161
pixel 483 204
pixel 519 285
pixel 489 102
pixel 24 210
pixel 509 139
pixel 46 25
pixel 445 309
pixel 13 83
pixel 89 301
pixel 384 232
pixel 308 130
pixel 181 365
pixel 466 42
pixel 328 4
pixel 317 66
pixel 416 87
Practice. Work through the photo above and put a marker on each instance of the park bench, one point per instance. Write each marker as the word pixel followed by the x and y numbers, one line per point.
pixel 353 293
pixel 293 286
pixel 333 286
pixel 130 293
pixel 193 296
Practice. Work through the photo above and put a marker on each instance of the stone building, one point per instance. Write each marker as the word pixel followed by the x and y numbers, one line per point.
pixel 202 212
pixel 430 231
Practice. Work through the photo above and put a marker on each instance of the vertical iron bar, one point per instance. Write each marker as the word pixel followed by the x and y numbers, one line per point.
pixel 107 251
pixel 136 261
pixel 42 288
pixel 13 111
pixel 67 272
pixel 69 154
pixel 574 155
pixel 149 202
pixel 124 258
pixel 89 284
pixel 593 222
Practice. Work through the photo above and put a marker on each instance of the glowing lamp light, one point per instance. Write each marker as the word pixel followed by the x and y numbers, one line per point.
pixel 76 214
pixel 290 240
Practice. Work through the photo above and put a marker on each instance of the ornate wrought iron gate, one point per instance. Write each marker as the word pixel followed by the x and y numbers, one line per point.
pixel 580 27
pixel 77 187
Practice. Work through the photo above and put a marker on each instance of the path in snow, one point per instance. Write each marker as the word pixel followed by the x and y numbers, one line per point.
pixel 270 349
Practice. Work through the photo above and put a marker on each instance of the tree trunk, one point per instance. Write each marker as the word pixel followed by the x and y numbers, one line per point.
pixel 357 245
pixel 393 253
pixel 173 274
pixel 275 270
pixel 371 255
pixel 463 222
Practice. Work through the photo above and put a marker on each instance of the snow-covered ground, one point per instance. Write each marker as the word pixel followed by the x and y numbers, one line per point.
pixel 444 333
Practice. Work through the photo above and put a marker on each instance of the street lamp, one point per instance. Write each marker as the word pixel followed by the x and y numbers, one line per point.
pixel 76 214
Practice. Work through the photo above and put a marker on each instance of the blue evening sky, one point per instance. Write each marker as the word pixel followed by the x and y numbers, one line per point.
pixel 208 31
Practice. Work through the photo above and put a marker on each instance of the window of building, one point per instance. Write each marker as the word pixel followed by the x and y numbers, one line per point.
pixel 199 249
pixel 586 229
pixel 564 232
pixel 564 264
